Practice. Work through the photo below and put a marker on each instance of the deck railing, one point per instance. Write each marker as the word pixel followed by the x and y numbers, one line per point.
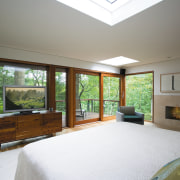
pixel 92 105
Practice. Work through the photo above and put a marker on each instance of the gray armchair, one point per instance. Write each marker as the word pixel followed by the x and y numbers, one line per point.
pixel 128 114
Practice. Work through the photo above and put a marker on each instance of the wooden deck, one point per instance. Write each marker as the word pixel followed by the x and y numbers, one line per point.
pixel 88 115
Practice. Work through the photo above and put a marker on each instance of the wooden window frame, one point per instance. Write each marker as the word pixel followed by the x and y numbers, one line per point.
pixel 121 91
pixel 145 72
pixel 70 91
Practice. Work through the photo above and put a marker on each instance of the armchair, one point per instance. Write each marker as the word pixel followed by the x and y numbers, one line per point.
pixel 128 114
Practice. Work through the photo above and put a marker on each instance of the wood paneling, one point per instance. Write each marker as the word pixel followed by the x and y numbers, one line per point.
pixel 70 97
pixel 51 123
pixel 51 87
pixel 27 126
pixel 22 62
pixel 7 129
pixel 101 98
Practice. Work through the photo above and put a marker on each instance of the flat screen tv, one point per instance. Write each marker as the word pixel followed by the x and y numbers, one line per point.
pixel 24 98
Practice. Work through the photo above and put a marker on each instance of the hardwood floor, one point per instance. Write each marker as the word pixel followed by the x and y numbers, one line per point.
pixel 22 143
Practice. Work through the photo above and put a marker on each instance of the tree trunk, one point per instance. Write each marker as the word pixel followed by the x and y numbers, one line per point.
pixel 19 78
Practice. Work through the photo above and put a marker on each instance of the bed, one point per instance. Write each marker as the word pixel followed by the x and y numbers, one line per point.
pixel 117 151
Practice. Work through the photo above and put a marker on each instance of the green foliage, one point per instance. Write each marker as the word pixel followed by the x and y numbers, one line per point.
pixel 138 90
pixel 111 87
pixel 87 92
pixel 88 87
pixel 110 108
pixel 35 77
pixel 60 86
pixel 31 78
pixel 139 93
pixel 61 91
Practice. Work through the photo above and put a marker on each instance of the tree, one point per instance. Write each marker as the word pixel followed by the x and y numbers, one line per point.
pixel 10 75
pixel 139 93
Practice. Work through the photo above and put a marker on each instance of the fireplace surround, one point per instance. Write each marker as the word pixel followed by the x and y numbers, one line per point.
pixel 172 112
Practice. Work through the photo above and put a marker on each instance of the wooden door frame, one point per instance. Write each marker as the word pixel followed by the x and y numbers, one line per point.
pixel 87 72
pixel 121 91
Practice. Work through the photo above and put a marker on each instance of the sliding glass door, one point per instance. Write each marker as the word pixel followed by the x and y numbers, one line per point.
pixel 111 96
pixel 139 93
pixel 86 97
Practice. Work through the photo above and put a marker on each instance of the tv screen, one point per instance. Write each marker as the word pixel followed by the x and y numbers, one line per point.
pixel 24 98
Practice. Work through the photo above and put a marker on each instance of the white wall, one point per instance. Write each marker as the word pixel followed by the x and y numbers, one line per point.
pixel 172 66
pixel 12 53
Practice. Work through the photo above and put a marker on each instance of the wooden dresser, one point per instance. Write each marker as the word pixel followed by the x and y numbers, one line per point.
pixel 16 127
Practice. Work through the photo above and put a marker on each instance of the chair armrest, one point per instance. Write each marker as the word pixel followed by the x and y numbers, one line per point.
pixel 140 115
pixel 119 116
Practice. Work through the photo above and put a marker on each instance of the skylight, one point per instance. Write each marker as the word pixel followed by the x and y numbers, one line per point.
pixel 118 61
pixel 110 12
pixel 110 5
pixel 111 1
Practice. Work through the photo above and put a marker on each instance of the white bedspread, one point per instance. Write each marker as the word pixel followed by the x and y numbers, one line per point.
pixel 117 151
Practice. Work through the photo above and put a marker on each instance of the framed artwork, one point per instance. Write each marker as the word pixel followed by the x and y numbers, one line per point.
pixel 170 83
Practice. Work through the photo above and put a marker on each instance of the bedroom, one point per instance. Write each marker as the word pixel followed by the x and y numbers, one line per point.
pixel 47 37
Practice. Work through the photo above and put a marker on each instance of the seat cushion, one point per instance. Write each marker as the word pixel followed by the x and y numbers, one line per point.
pixel 127 110
pixel 133 119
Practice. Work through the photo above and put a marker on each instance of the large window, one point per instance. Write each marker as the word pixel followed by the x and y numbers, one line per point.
pixel 87 97
pixel 20 74
pixel 61 93
pixel 92 96
pixel 139 93
pixel 111 93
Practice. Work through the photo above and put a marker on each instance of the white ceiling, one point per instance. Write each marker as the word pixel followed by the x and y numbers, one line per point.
pixel 48 26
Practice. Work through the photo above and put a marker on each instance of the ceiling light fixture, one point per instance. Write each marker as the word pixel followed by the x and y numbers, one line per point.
pixel 118 61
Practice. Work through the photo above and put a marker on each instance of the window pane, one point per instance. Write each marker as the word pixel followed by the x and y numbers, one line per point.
pixel 61 94
pixel 20 75
pixel 111 86
pixel 87 97
pixel 139 93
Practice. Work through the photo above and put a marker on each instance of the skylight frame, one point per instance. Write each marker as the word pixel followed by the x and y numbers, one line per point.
pixel 118 61
pixel 110 7
pixel 129 9
pixel 111 1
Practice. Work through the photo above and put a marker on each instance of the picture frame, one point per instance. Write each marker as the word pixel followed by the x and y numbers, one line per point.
pixel 170 83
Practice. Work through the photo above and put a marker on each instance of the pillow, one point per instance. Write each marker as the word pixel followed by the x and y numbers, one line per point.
pixel 170 171
pixel 127 110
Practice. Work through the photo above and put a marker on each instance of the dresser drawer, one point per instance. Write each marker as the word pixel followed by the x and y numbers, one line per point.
pixel 7 135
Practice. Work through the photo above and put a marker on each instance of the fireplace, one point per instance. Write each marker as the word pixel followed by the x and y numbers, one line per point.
pixel 172 112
